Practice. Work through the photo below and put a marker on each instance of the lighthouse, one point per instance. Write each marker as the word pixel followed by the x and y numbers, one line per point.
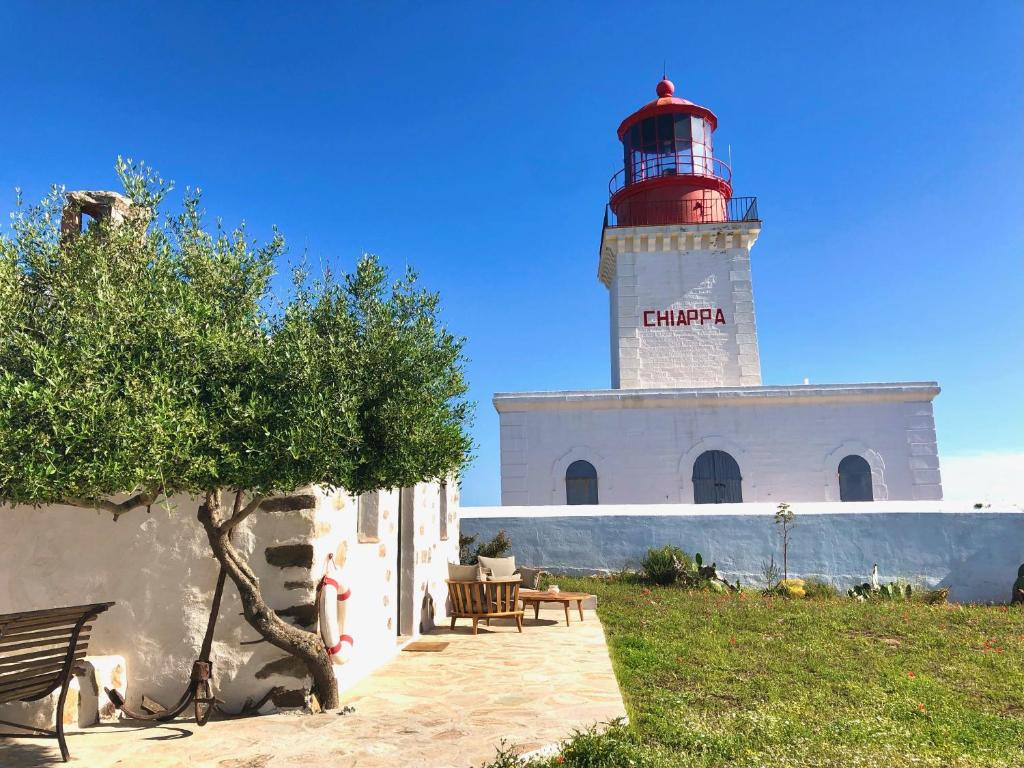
pixel 675 255
pixel 687 419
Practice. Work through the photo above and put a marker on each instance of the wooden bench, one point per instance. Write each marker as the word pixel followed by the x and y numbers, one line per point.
pixel 485 600
pixel 38 654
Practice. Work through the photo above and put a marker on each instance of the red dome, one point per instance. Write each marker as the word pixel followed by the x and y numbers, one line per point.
pixel 667 103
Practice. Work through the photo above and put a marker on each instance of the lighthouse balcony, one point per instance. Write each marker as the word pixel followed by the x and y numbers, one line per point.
pixel 706 208
pixel 651 168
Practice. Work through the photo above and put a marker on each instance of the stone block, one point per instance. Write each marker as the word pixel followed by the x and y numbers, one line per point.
pixel 290 556
pixel 921 436
pixel 926 476
pixel 95 675
pixel 292 503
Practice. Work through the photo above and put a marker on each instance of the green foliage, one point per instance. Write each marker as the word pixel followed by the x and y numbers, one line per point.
pixel 819 589
pixel 154 356
pixel 771 574
pixel 507 757
pixel 791 588
pixel 465 553
pixel 891 591
pixel 744 680
pixel 671 565
pixel 499 546
pixel 614 746
pixel 666 565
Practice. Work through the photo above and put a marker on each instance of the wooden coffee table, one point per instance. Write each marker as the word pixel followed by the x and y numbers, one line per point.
pixel 536 597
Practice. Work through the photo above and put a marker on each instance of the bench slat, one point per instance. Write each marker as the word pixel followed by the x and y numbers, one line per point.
pixel 31 693
pixel 60 641
pixel 33 690
pixel 76 609
pixel 11 624
pixel 27 679
pixel 47 622
pixel 13 681
pixel 55 662
pixel 41 634
pixel 21 659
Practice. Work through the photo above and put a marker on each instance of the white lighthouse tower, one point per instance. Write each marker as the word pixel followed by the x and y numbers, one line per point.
pixel 680 295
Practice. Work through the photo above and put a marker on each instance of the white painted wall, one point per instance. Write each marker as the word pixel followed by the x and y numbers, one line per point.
pixel 974 552
pixel 158 569
pixel 788 441
pixel 651 269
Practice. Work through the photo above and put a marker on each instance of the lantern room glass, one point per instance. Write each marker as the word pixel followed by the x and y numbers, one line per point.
pixel 668 145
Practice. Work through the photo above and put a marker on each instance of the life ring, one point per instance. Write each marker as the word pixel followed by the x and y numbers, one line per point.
pixel 333 601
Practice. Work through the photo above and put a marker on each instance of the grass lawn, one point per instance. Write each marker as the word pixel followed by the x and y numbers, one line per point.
pixel 746 680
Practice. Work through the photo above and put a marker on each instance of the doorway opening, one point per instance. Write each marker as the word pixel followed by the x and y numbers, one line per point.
pixel 405 562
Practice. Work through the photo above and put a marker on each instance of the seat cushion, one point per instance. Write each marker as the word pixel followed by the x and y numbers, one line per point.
pixel 500 567
pixel 531 577
pixel 466 572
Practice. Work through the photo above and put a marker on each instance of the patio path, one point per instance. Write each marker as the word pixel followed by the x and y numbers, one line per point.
pixel 421 710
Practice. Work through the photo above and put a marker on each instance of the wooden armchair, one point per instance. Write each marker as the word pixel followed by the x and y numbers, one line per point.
pixel 485 600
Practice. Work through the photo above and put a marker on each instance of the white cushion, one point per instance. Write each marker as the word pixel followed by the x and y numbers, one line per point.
pixel 465 572
pixel 531 577
pixel 499 567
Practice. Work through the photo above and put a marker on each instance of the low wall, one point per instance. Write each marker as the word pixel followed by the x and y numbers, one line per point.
pixel 974 552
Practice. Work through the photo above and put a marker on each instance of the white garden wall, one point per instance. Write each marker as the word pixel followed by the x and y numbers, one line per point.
pixel 158 569
pixel 974 552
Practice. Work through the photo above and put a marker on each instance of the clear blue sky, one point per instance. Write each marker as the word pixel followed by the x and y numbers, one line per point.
pixel 885 143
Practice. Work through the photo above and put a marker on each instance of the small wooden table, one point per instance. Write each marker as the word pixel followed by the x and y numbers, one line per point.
pixel 536 597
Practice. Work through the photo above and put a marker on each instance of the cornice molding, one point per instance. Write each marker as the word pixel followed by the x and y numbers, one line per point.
pixel 672 237
pixel 796 394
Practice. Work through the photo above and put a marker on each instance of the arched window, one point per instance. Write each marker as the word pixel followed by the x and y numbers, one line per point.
pixel 855 479
pixel 716 479
pixel 581 483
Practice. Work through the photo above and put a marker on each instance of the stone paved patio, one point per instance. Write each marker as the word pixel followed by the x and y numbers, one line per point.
pixel 422 710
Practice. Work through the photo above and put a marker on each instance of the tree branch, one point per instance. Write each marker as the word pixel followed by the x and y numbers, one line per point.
pixel 239 513
pixel 141 499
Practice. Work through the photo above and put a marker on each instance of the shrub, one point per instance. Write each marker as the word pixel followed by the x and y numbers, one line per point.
pixel 891 591
pixel 666 565
pixel 936 596
pixel 496 547
pixel 819 589
pixel 772 575
pixel 792 588
pixel 617 746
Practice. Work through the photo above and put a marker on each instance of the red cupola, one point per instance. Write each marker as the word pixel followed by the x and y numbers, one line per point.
pixel 670 174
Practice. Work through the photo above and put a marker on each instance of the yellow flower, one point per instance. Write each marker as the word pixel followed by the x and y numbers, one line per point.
pixel 792 587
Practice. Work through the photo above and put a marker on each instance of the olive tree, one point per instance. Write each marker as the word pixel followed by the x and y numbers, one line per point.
pixel 152 357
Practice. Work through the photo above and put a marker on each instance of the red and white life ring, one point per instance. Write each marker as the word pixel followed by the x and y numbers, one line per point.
pixel 333 601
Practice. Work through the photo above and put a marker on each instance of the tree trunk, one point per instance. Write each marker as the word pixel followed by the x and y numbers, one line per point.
pixel 307 646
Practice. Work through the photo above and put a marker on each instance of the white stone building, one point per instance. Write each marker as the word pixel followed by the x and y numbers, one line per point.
pixel 393 549
pixel 687 419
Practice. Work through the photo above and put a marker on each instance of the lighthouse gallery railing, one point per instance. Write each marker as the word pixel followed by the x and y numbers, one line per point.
pixel 710 210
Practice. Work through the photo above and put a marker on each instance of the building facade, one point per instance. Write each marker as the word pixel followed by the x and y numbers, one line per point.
pixel 687 419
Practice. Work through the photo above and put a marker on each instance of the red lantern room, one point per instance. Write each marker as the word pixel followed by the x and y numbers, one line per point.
pixel 670 174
